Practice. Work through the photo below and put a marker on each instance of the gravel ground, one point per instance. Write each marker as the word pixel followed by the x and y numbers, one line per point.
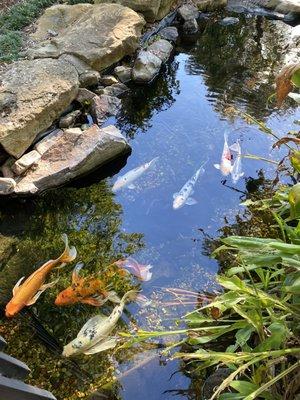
pixel 5 4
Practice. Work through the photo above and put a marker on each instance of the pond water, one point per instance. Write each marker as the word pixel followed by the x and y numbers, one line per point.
pixel 181 119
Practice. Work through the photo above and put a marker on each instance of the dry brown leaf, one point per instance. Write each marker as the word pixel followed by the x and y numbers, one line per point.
pixel 283 82
pixel 215 312
pixel 284 140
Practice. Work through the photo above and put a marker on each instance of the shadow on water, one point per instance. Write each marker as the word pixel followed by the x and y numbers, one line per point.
pixel 180 118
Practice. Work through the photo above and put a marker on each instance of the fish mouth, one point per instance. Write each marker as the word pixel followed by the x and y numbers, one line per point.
pixel 8 314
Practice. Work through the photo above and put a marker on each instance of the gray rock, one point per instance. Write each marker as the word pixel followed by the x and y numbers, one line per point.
pixel 25 162
pixel 116 90
pixel 71 156
pixel 170 33
pixel 6 168
pixel 284 6
pixel 104 106
pixel 123 73
pixel 161 49
pixel 48 141
pixel 7 185
pixel 146 67
pixel 188 12
pixel 42 90
pixel 108 80
pixel 84 96
pixel 190 27
pixel 89 78
pixel 229 21
pixel 67 120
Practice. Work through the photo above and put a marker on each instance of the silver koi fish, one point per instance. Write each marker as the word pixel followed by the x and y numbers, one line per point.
pixel 94 336
pixel 126 181
pixel 295 96
pixel 183 196
pixel 236 172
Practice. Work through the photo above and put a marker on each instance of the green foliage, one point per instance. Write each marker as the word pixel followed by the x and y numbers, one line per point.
pixel 10 46
pixel 22 14
pixel 255 318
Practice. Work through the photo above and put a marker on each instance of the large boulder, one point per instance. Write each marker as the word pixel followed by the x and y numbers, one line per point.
pixel 99 35
pixel 151 9
pixel 32 95
pixel 283 6
pixel 73 154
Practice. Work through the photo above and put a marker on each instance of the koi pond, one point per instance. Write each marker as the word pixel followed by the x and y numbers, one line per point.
pixel 180 120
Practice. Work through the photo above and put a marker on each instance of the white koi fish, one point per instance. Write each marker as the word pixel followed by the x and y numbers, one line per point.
pixel 94 335
pixel 236 172
pixel 225 166
pixel 183 196
pixel 295 96
pixel 126 181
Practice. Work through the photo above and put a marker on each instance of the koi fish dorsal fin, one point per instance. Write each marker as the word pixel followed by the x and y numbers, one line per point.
pixel 91 324
pixel 76 270
pixel 17 286
pixel 101 346
pixel 235 147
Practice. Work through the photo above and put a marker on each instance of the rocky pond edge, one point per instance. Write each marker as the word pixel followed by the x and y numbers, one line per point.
pixel 53 104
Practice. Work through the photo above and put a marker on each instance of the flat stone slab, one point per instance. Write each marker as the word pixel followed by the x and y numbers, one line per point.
pixel 100 35
pixel 74 153
pixel 12 389
pixel 32 95
pixel 3 343
pixel 13 368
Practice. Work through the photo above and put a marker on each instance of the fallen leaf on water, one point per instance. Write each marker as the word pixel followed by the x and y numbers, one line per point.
pixel 285 140
pixel 284 81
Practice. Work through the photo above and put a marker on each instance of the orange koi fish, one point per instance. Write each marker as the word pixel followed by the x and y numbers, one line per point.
pixel 89 290
pixel 27 293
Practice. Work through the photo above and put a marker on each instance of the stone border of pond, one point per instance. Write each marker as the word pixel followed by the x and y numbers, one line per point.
pixel 51 130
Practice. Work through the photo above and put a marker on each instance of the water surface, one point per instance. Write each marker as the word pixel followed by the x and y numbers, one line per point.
pixel 181 118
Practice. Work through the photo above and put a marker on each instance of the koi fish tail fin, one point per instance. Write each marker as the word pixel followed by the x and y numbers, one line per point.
pixel 130 296
pixel 69 253
pixel 153 162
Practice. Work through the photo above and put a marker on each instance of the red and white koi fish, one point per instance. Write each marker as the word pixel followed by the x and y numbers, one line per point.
pixel 226 160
